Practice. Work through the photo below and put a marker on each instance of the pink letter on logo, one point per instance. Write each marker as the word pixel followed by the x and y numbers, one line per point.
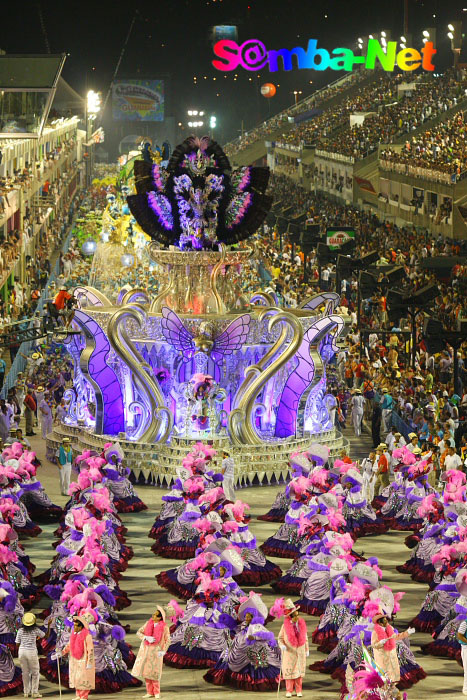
pixel 228 51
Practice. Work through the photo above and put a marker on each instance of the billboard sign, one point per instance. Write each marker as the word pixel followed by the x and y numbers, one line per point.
pixel 138 100
pixel 253 55
pixel 337 235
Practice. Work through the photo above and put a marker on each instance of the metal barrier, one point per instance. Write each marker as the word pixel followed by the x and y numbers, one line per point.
pixel 19 363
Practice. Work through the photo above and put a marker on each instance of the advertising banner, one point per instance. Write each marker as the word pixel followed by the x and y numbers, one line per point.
pixel 138 100
pixel 337 235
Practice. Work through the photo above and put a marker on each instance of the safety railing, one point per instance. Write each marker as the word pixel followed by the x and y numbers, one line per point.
pixel 397 420
pixel 19 363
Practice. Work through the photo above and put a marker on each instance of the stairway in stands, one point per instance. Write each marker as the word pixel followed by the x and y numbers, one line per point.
pixel 359 447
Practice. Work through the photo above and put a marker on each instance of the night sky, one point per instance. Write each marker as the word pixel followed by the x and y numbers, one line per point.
pixel 172 40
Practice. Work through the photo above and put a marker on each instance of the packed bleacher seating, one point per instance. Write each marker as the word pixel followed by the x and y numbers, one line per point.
pixel 439 153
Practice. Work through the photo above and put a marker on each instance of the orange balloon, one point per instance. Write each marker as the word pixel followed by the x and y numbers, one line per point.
pixel 268 90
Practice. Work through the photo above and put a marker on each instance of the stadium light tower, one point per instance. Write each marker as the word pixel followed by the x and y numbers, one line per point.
pixel 429 34
pixel 455 35
pixel 296 94
pixel 198 121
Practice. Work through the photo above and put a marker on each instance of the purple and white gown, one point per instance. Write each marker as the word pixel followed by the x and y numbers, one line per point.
pixel 11 679
pixel 437 605
pixel 181 538
pixel 257 570
pixel 203 633
pixel 287 542
pixel 252 662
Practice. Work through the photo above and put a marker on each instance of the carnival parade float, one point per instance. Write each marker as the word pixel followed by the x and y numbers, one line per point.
pixel 199 360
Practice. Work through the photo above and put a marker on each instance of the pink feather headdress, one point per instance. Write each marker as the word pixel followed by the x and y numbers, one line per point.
pixel 446 553
pixel 355 592
pixel 455 476
pixel 426 506
pixel 237 509
pixel 344 467
pixel 8 508
pixel 300 485
pixel 212 495
pixel 199 562
pixel 80 516
pixel 206 450
pixel 371 608
pixel 175 611
pixel 336 519
pixel 205 525
pixel 193 485
pixel 319 477
pixel 84 481
pixel 278 609
pixel 367 680
pixel 71 589
pixel 101 500
pixel 397 598
pixel 6 555
pixel 208 584
pixel 345 541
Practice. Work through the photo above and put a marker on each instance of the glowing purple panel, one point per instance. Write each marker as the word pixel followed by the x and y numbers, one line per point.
pixel 297 383
pixel 109 398
pixel 302 376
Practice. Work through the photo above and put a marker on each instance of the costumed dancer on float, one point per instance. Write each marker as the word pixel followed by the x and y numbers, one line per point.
pixel 293 643
pixel 155 640
pixel 82 672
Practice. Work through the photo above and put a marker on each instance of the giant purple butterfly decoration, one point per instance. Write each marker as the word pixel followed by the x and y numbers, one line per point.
pixel 230 340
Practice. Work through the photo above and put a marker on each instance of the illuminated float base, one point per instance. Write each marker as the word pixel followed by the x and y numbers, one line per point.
pixel 157 464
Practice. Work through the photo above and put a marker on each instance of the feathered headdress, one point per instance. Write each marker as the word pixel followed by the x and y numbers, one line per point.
pixel 198 201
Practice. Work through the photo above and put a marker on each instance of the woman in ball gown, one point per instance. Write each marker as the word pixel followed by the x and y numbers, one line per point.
pixel 11 612
pixel 287 541
pixel 252 662
pixel 117 480
pixel 257 570
pixel 428 540
pixel 300 464
pixel 359 515
pixel 209 618
pixel 11 680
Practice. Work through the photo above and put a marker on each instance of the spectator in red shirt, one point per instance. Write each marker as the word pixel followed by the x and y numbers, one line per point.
pixel 359 371
pixel 61 298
